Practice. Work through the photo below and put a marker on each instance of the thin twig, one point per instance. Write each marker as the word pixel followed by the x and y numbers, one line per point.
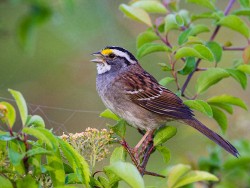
pixel 233 48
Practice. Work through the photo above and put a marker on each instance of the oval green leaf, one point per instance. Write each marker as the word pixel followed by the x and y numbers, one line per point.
pixel 200 106
pixel 127 172
pixel 205 3
pixel 109 114
pixel 205 52
pixel 244 68
pixel 21 104
pixel 166 80
pixel 189 66
pixel 150 48
pixel 220 117
pixel 119 154
pixel 163 134
pixel 136 14
pixel 238 76
pixel 5 183
pixel 151 6
pixel 209 78
pixel 235 23
pixel 216 49
pixel 176 173
pixel 228 99
pixel 170 23
pixel 146 37
pixel 187 52
pixel 165 153
pixel 36 121
pixel 195 176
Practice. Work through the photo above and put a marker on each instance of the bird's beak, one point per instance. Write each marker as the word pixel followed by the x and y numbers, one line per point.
pixel 99 57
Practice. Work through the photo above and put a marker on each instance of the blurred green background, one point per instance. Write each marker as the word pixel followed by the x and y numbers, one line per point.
pixel 56 77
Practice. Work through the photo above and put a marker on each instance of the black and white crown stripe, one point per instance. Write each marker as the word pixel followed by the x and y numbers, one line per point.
pixel 121 52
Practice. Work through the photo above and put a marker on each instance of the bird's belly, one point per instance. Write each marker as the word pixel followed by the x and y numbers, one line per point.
pixel 135 115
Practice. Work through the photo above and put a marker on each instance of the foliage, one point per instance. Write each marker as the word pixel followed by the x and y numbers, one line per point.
pixel 35 156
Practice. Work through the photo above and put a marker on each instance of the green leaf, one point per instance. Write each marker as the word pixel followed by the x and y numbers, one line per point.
pixel 119 154
pixel 77 162
pixel 183 37
pixel 127 172
pixel 72 178
pixel 235 23
pixel 187 52
pixel 57 174
pixel 195 176
pixel 21 104
pixel 246 55
pixel 205 52
pixel 223 106
pixel 179 20
pixel 38 151
pixel 244 3
pixel 27 181
pixel 199 28
pixel 205 3
pixel 145 37
pixel 220 117
pixel 189 66
pixel 239 77
pixel 151 6
pixel 242 12
pixel 216 49
pixel 42 134
pixel 209 78
pixel 176 173
pixel 5 183
pixel 36 121
pixel 9 113
pixel 205 15
pixel 16 152
pixel 163 134
pixel 166 80
pixel 119 128
pixel 170 23
pixel 136 14
pixel 199 50
pixel 165 153
pixel 228 99
pixel 200 105
pixel 192 31
pixel 244 68
pixel 5 136
pixel 150 48
pixel 109 114
pixel 104 182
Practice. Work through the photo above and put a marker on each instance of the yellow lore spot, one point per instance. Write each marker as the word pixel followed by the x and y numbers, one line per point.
pixel 106 51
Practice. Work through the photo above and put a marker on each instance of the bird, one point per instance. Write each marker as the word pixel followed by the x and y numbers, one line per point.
pixel 135 95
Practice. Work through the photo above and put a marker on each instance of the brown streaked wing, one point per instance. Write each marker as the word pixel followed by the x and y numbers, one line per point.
pixel 145 91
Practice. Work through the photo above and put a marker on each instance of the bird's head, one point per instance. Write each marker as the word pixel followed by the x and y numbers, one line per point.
pixel 113 58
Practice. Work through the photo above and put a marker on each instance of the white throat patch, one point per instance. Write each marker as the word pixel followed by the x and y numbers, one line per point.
pixel 102 68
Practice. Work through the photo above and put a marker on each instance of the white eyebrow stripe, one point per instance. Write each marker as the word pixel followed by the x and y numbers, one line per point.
pixel 123 54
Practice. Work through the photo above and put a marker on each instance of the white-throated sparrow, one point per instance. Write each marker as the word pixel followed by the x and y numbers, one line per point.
pixel 133 94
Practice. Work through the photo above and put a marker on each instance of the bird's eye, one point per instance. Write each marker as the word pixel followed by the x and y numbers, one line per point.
pixel 111 55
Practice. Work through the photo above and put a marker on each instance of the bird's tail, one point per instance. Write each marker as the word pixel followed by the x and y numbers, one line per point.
pixel 212 135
